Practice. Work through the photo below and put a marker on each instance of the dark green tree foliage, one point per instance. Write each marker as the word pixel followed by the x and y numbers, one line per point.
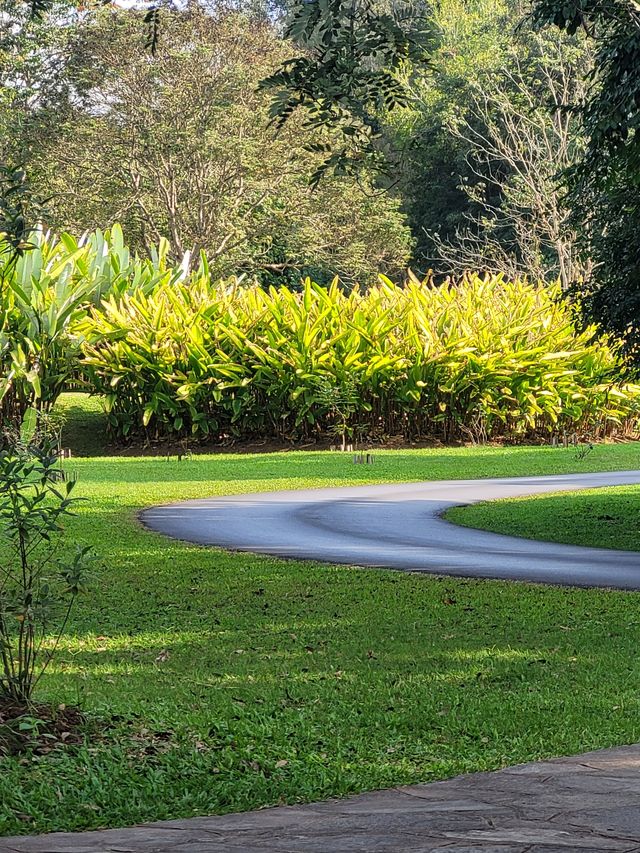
pixel 352 67
pixel 15 206
pixel 179 147
pixel 605 186
pixel 27 53
pixel 474 36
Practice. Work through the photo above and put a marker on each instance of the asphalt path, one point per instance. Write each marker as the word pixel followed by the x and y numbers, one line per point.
pixel 400 526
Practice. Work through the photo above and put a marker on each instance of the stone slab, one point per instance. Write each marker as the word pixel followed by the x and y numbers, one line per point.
pixel 589 802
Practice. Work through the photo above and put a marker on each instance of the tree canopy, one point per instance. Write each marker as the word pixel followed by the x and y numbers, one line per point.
pixel 496 134
pixel 179 145
pixel 604 185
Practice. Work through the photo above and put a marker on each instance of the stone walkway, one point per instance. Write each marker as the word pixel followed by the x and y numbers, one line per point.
pixel 588 802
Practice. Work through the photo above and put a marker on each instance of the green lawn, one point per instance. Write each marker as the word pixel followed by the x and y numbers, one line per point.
pixel 232 681
pixel 600 518
pixel 83 424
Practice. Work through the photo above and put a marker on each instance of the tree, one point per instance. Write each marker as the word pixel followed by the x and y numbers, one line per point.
pixel 604 186
pixel 350 64
pixel 518 137
pixel 473 39
pixel 486 137
pixel 351 68
pixel 178 145
pixel 29 57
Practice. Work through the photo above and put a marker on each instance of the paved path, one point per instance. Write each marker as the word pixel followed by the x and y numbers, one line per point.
pixel 399 527
pixel 589 802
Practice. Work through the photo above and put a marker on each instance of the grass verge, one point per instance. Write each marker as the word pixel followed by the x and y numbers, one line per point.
pixel 598 518
pixel 83 424
pixel 232 681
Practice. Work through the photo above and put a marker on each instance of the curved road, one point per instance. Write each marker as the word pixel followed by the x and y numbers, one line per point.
pixel 399 526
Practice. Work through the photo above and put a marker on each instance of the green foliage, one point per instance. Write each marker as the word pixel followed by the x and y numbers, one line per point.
pixel 340 404
pixel 37 586
pixel 483 358
pixel 18 209
pixel 612 112
pixel 485 137
pixel 181 149
pixel 352 68
pixel 473 34
pixel 604 186
pixel 41 297
pixel 45 292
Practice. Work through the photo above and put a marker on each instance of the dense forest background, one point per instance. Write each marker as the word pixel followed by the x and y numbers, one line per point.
pixel 179 145
pixel 512 147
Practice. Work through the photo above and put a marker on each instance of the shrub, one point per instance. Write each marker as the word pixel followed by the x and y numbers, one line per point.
pixel 37 586
pixel 41 297
pixel 44 292
pixel 481 358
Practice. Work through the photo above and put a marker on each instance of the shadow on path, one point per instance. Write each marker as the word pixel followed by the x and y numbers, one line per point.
pixel 400 527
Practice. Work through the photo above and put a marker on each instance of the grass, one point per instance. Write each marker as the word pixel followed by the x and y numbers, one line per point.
pixel 82 422
pixel 232 681
pixel 598 518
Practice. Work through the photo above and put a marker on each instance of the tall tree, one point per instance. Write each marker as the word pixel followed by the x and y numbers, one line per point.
pixel 604 187
pixel 518 138
pixel 489 136
pixel 177 144
pixel 347 67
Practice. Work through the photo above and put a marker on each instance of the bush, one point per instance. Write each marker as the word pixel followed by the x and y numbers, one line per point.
pixel 37 585
pixel 483 358
pixel 42 295
pixel 44 292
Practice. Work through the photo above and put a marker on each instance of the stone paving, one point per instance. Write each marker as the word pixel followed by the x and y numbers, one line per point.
pixel 589 802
